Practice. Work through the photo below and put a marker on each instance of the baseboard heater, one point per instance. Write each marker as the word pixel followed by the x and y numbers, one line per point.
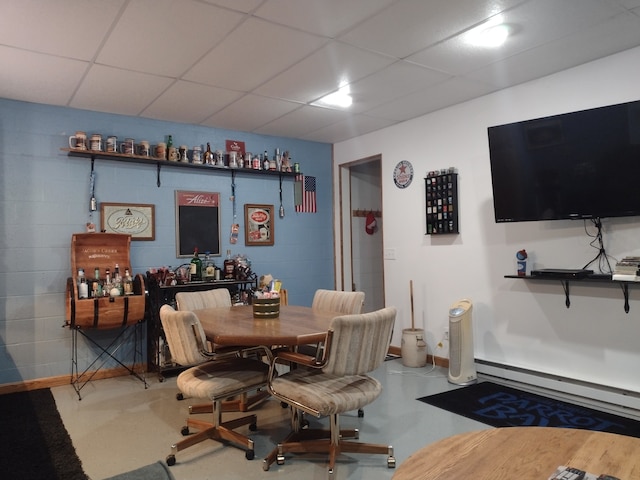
pixel 613 400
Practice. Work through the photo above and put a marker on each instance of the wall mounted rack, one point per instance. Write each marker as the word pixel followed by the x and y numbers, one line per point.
pixel 160 162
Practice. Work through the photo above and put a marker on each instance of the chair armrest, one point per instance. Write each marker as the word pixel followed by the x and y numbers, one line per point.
pixel 299 358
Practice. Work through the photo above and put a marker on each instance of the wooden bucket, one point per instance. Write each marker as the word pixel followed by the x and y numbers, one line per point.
pixel 266 307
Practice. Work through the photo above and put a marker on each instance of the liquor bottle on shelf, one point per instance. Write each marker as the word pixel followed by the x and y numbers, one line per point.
pixel 229 267
pixel 195 271
pixel 127 283
pixel 83 287
pixel 208 155
pixel 209 267
pixel 169 145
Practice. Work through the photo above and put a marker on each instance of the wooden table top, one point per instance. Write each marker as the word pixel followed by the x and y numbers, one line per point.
pixel 525 453
pixel 236 326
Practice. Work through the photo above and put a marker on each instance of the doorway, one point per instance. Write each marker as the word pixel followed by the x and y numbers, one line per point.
pixel 362 246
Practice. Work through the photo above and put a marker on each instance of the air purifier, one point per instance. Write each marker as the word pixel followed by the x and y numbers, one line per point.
pixel 462 368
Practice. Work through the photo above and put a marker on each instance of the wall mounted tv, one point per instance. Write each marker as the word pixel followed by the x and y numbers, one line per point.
pixel 584 164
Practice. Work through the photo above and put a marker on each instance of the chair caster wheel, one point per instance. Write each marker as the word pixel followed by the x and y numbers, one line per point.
pixel 184 431
pixel 280 459
pixel 284 404
pixel 391 462
pixel 360 413
pixel 171 460
pixel 253 427
pixel 249 454
pixel 179 396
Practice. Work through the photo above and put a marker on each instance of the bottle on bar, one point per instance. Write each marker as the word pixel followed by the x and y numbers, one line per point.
pixel 195 271
pixel 229 267
pixel 127 283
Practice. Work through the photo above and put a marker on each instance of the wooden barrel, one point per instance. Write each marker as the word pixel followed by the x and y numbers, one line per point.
pixel 266 307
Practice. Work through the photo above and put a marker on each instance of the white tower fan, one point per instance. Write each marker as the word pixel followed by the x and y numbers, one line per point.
pixel 462 367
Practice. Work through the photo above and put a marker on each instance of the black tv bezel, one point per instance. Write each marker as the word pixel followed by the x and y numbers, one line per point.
pixel 547 132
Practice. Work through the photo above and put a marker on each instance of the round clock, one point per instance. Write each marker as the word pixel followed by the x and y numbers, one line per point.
pixel 403 174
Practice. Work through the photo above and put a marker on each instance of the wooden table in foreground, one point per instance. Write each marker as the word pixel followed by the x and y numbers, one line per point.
pixel 523 453
pixel 236 326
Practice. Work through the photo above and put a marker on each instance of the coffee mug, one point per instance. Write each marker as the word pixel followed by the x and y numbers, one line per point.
pixel 197 154
pixel 182 154
pixel 161 150
pixel 112 144
pixel 127 147
pixel 143 148
pixel 172 154
pixel 96 142
pixel 78 141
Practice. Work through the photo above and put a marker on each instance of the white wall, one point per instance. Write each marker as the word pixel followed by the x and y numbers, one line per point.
pixel 520 323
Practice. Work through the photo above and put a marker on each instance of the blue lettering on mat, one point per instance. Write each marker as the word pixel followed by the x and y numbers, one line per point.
pixel 522 410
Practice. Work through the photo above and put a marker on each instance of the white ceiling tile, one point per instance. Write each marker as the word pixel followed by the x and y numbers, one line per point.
pixel 70 28
pixel 251 54
pixel 166 37
pixel 108 89
pixel 605 38
pixel 354 126
pixel 245 6
pixel 190 103
pixel 397 80
pixel 302 121
pixel 250 112
pixel 450 92
pixel 411 25
pixel 35 77
pixel 326 17
pixel 322 72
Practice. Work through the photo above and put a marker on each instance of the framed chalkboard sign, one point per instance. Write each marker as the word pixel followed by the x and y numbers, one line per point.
pixel 197 223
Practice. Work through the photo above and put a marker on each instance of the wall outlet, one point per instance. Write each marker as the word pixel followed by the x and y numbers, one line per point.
pixel 389 253
pixel 446 335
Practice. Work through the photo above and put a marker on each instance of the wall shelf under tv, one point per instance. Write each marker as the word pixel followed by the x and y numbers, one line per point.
pixel 590 279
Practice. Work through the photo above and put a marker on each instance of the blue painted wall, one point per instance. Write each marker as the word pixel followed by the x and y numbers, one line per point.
pixel 44 199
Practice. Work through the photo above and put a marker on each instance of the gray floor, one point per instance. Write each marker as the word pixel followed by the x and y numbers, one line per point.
pixel 119 426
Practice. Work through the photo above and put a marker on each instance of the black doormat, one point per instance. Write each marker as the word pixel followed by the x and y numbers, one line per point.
pixel 501 406
pixel 35 443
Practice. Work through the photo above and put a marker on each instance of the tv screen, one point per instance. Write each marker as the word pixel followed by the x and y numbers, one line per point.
pixel 576 165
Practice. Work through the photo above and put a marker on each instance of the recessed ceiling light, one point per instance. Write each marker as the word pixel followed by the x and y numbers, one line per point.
pixel 340 98
pixel 492 33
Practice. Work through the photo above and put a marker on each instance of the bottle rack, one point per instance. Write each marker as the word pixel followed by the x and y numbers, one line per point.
pixel 441 193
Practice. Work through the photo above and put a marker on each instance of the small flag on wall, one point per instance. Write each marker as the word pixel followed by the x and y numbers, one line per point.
pixel 305 194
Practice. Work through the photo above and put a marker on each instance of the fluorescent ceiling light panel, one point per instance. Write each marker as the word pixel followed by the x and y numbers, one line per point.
pixel 340 98
pixel 492 33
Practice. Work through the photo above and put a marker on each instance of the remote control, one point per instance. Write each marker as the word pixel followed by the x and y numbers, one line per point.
pixel 568 473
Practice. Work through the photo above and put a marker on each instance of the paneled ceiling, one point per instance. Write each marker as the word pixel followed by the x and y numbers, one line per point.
pixel 259 65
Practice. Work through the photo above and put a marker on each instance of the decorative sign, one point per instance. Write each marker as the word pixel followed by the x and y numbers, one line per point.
pixel 403 174
pixel 135 219
pixel 258 224
pixel 235 146
pixel 197 223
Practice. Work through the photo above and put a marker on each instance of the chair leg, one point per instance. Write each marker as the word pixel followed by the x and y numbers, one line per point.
pixel 329 441
pixel 218 430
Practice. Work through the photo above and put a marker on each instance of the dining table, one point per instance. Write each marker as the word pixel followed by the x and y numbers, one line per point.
pixel 236 326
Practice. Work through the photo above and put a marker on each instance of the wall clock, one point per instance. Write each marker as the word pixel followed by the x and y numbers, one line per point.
pixel 403 174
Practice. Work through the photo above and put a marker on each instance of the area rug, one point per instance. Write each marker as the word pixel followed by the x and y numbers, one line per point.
pixel 501 406
pixel 35 443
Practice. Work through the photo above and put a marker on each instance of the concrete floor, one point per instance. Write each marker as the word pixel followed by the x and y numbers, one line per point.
pixel 120 426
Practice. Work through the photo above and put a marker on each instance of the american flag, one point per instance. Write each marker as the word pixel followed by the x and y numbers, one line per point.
pixel 305 194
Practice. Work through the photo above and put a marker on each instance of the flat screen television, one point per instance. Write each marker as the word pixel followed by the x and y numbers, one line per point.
pixel 583 164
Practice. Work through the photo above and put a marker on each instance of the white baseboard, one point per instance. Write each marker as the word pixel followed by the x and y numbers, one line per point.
pixel 599 397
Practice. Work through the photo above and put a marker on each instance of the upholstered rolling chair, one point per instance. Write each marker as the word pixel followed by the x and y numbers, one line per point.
pixel 216 298
pixel 225 376
pixel 355 345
